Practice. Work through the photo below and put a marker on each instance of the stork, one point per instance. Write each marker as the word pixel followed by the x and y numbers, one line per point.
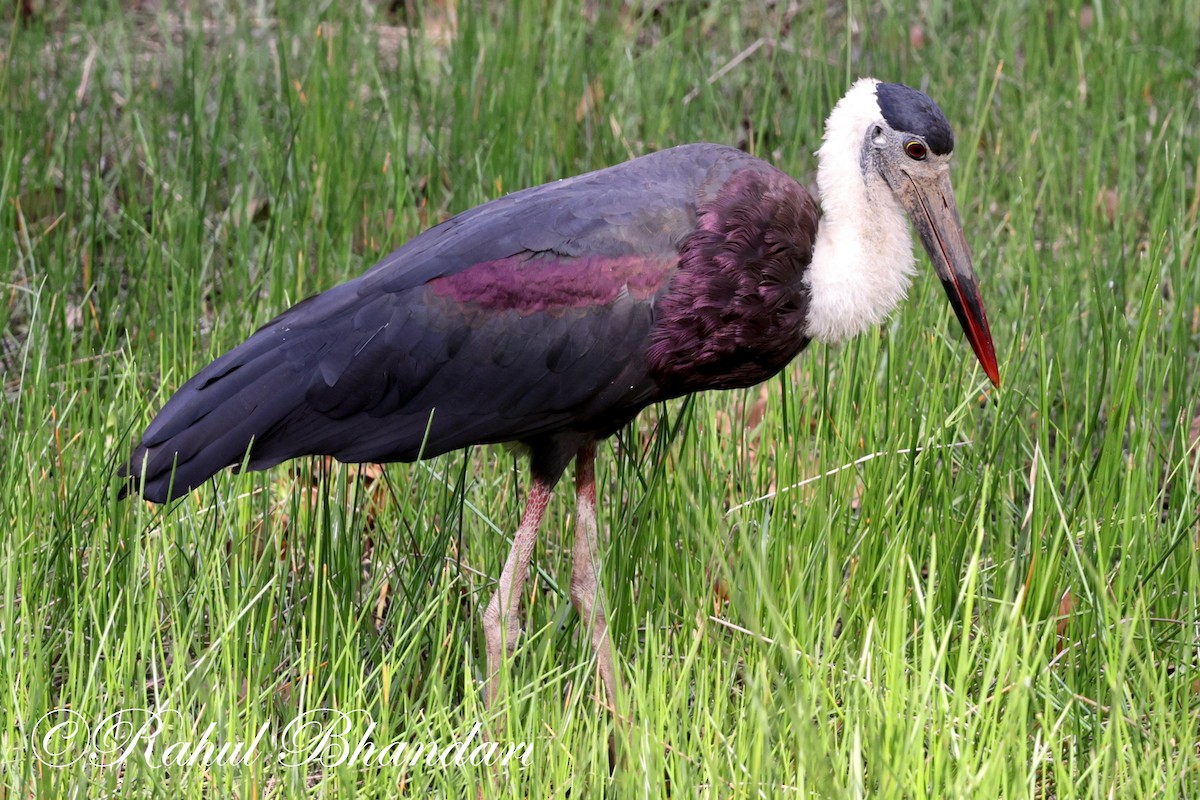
pixel 550 317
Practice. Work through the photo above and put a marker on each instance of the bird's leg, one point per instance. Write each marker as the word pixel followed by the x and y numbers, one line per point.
pixel 501 625
pixel 586 593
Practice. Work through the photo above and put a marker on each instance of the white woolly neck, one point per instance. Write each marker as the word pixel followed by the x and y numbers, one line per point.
pixel 863 257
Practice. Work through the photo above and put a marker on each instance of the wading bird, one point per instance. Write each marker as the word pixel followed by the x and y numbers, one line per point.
pixel 552 316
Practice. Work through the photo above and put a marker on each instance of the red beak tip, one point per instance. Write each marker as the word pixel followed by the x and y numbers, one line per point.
pixel 992 370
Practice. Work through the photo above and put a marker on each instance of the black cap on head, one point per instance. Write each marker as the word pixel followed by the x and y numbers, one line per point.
pixel 911 111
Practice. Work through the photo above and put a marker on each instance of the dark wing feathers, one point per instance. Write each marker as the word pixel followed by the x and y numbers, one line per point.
pixel 420 355
pixel 599 212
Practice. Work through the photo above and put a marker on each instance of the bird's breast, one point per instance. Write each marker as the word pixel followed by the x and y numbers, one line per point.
pixel 734 312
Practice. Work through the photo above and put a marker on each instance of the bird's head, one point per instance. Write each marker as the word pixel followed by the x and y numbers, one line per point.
pixel 902 144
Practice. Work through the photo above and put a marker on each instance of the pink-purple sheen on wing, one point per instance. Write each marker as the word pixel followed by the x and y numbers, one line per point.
pixel 539 283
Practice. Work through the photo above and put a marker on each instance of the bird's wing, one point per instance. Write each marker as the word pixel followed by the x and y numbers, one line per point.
pixel 522 316
pixel 641 206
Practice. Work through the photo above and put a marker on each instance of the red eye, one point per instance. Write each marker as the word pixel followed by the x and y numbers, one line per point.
pixel 916 151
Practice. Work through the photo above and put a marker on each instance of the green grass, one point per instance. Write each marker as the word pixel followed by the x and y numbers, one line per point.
pixel 1012 617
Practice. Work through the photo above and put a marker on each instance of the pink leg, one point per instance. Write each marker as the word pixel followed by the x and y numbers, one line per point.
pixel 501 626
pixel 586 594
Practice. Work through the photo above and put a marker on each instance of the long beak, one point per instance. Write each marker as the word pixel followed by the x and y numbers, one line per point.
pixel 931 207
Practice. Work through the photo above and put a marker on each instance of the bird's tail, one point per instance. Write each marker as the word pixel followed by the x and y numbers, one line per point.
pixel 213 422
pixel 247 407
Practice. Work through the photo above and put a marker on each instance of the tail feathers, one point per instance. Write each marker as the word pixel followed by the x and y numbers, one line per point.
pixel 212 422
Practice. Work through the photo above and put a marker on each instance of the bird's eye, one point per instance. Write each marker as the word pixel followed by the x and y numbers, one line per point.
pixel 916 151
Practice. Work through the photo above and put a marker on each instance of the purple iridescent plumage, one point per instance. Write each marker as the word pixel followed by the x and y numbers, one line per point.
pixel 549 317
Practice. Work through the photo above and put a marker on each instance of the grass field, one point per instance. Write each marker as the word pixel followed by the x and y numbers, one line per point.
pixel 974 593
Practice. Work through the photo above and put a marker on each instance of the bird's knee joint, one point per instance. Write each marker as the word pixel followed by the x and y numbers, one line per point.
pixel 499 629
pixel 583 586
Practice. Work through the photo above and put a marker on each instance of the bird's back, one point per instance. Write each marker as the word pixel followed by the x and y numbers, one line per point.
pixel 568 306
